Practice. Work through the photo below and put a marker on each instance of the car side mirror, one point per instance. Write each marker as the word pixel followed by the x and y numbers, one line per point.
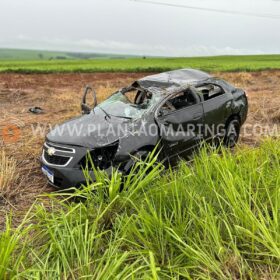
pixel 84 107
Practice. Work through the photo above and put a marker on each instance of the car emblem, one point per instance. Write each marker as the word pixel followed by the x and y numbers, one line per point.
pixel 51 151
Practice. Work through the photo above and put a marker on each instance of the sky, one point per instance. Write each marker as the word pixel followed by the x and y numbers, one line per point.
pixel 142 28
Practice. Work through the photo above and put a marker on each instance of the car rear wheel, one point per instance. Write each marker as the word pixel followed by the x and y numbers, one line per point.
pixel 232 133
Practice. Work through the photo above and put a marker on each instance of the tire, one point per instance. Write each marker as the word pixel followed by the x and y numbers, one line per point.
pixel 232 133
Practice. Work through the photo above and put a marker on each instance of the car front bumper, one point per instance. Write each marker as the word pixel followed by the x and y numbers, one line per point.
pixel 70 177
pixel 64 166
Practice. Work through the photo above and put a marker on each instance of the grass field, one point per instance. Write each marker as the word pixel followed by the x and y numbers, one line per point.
pixel 210 64
pixel 12 55
pixel 217 218
pixel 42 55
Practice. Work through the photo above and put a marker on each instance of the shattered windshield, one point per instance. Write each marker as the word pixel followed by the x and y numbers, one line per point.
pixel 131 103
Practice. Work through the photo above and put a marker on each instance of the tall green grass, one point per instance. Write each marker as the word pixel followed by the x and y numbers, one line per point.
pixel 214 218
pixel 210 64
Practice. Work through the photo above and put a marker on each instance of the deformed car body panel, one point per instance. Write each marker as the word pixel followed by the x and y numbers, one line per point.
pixel 177 77
pixel 87 134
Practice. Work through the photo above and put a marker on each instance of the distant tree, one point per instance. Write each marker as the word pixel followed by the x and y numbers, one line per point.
pixel 144 57
pixel 40 55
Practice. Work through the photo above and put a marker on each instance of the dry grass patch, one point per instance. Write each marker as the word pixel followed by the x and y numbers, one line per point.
pixel 276 117
pixel 239 79
pixel 8 175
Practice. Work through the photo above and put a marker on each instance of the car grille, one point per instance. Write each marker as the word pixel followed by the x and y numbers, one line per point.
pixel 60 156
pixel 57 160
pixel 60 148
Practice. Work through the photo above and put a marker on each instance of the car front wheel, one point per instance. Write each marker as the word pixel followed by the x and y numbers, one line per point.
pixel 232 133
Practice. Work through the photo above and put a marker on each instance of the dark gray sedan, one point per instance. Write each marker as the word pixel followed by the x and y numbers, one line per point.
pixel 174 111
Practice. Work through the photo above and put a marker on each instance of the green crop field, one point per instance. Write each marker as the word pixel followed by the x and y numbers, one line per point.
pixel 11 55
pixel 42 55
pixel 217 218
pixel 210 64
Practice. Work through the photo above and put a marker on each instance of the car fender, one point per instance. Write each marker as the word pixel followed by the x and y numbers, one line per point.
pixel 143 133
pixel 240 105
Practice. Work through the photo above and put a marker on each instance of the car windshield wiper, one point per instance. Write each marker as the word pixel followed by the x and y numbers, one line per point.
pixel 107 115
pixel 123 117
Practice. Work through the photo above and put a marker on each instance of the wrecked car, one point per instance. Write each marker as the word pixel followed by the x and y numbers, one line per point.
pixel 174 111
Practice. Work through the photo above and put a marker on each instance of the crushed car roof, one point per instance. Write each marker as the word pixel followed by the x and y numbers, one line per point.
pixel 173 78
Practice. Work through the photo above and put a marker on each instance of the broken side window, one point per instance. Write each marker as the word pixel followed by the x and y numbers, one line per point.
pixel 179 101
pixel 210 91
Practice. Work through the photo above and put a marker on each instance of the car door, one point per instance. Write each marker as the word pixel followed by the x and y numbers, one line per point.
pixel 217 105
pixel 180 119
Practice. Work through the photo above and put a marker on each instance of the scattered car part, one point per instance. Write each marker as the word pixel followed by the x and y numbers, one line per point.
pixel 36 110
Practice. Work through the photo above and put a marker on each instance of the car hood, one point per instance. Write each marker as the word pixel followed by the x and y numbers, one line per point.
pixel 90 131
